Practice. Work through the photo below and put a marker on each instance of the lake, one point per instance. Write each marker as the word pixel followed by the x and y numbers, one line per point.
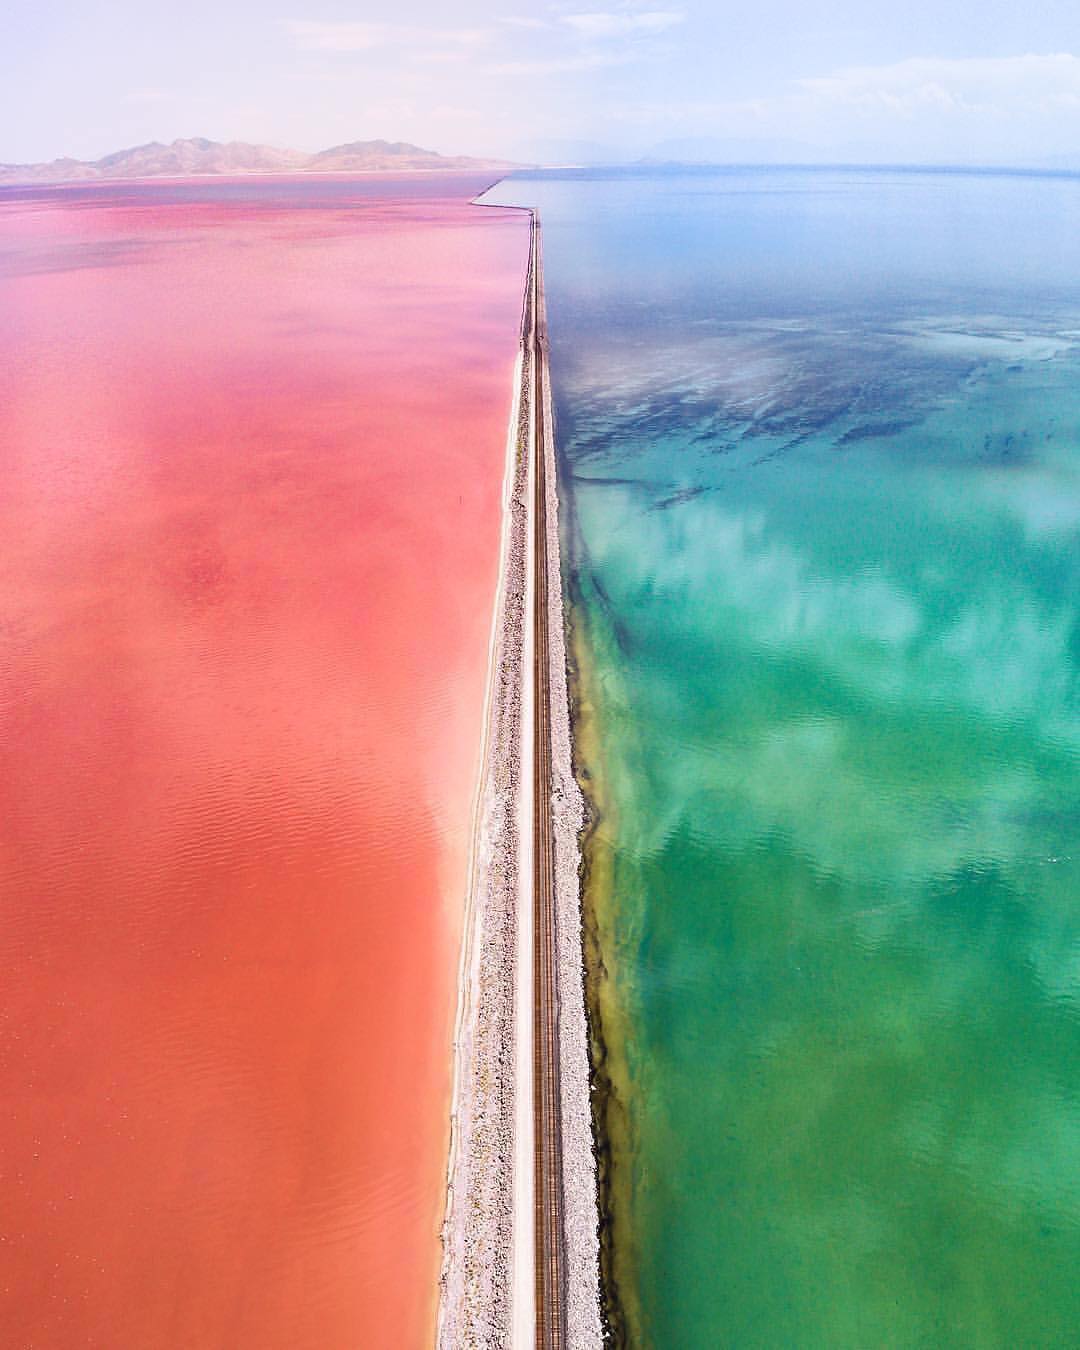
pixel 252 448
pixel 819 438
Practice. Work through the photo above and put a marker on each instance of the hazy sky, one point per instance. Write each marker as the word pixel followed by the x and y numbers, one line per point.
pixel 907 80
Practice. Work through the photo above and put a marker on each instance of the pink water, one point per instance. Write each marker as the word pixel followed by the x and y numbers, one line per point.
pixel 251 454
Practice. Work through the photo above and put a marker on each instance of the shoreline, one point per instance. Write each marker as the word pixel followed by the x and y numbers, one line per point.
pixel 581 1214
pixel 232 176
pixel 475 1306
pixel 609 1099
pixel 487 1282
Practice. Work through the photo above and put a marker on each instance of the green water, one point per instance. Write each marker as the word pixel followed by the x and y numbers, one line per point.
pixel 821 485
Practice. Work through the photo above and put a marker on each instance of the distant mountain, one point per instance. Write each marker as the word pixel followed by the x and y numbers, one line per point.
pixel 200 156
pixel 732 150
pixel 363 156
pixel 565 153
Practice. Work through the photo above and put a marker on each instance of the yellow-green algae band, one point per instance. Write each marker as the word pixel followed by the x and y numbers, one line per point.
pixel 607 1037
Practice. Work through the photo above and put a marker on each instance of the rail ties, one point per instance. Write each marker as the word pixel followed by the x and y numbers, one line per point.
pixel 550 1242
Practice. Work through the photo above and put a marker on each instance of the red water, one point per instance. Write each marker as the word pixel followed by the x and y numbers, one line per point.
pixel 251 457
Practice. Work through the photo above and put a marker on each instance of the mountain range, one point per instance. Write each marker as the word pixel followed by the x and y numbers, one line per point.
pixel 200 156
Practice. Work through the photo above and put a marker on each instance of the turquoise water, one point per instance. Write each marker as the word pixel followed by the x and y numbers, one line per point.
pixel 820 456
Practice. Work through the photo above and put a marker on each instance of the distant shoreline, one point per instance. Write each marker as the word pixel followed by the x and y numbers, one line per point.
pixel 11 177
pixel 233 176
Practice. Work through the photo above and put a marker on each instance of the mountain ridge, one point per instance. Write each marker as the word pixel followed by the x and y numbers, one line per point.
pixel 196 155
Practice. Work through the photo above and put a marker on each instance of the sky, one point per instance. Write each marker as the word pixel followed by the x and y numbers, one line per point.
pixel 908 81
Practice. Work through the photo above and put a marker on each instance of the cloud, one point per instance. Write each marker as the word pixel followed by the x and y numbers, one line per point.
pixel 521 21
pixel 581 42
pixel 150 95
pixel 1032 82
pixel 549 43
pixel 1018 109
pixel 562 65
pixel 319 36
pixel 609 25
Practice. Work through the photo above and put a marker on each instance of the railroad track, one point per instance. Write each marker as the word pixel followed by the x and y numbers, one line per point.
pixel 550 1231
